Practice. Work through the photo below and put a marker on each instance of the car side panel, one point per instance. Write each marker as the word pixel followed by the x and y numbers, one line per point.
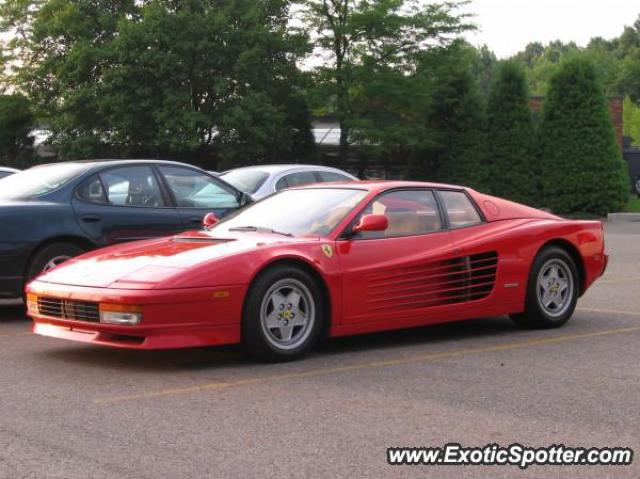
pixel 214 312
pixel 518 241
pixel 107 224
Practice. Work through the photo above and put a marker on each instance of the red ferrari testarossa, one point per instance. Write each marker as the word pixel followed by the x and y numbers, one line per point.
pixel 333 260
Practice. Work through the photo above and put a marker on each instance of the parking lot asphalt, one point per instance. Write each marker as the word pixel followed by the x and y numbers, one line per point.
pixel 77 411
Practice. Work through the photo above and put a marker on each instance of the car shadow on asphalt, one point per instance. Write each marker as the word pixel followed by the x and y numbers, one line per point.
pixel 224 357
pixel 13 312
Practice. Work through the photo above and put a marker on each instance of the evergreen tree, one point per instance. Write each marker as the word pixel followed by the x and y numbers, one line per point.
pixel 458 118
pixel 509 136
pixel 580 163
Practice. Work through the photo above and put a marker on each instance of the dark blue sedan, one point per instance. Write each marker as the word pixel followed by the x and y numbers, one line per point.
pixel 51 213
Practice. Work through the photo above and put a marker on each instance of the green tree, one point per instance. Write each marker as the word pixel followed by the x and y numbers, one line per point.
pixel 457 119
pixel 198 79
pixel 209 76
pixel 63 47
pixel 580 163
pixel 509 136
pixel 16 122
pixel 484 68
pixel 369 37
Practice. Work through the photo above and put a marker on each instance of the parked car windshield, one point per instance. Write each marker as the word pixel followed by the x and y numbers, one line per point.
pixel 39 180
pixel 247 180
pixel 306 212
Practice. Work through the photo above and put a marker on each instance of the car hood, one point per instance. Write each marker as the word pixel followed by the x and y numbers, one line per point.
pixel 145 264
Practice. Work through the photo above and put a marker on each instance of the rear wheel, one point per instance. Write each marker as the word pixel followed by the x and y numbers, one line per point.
pixel 283 314
pixel 51 256
pixel 552 290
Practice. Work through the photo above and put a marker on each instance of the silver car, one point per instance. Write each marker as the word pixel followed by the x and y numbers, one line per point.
pixel 264 180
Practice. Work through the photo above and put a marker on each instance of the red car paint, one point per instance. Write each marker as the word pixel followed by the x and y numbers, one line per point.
pixel 192 286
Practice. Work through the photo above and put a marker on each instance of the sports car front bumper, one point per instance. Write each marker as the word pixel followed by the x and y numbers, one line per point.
pixel 175 318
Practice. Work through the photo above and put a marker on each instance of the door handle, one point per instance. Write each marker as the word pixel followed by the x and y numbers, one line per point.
pixel 91 218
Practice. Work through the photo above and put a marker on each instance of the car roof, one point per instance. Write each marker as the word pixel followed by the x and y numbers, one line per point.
pixel 379 185
pixel 279 168
pixel 115 161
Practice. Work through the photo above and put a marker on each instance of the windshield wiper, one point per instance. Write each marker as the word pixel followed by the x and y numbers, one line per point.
pixel 259 229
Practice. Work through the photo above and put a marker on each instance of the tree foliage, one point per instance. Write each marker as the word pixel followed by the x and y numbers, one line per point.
pixel 370 41
pixel 580 163
pixel 166 78
pixel 16 123
pixel 617 62
pixel 457 119
pixel 509 137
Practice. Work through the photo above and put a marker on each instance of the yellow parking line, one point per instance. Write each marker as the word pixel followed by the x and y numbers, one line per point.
pixel 369 365
pixel 609 311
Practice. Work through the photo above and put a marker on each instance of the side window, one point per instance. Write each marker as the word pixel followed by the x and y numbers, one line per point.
pixel 459 208
pixel 193 189
pixel 410 212
pixel 326 176
pixel 132 186
pixel 282 184
pixel 300 178
pixel 91 191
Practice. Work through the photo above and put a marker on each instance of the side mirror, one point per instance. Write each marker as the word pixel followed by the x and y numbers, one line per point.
pixel 245 199
pixel 371 223
pixel 209 220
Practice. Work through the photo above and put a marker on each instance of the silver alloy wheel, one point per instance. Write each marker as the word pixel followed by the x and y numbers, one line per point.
pixel 55 261
pixel 287 314
pixel 555 287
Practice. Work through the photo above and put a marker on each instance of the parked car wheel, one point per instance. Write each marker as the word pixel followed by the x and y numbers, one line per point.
pixel 552 290
pixel 283 315
pixel 51 256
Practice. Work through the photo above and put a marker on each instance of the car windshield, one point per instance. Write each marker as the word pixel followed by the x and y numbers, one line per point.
pixel 247 180
pixel 306 212
pixel 39 180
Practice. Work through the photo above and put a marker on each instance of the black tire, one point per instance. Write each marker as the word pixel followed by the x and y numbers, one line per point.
pixel 535 314
pixel 49 253
pixel 258 340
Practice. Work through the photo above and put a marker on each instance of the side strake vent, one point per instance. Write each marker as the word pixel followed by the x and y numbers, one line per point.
pixel 450 281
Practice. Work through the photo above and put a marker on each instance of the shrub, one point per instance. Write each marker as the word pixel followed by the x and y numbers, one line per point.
pixel 509 137
pixel 580 164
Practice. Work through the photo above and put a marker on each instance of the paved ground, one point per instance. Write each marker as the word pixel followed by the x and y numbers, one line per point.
pixel 74 411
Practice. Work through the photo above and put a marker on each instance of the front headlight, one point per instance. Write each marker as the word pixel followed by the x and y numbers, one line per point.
pixel 120 314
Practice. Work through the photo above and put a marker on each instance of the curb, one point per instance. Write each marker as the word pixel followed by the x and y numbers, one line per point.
pixel 623 217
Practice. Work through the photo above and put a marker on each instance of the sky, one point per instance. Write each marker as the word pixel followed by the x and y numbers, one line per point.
pixel 506 26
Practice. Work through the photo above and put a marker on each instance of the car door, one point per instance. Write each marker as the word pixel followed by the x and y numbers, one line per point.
pixel 196 193
pixel 124 203
pixel 400 272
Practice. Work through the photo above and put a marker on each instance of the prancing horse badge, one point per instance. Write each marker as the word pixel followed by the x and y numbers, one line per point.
pixel 327 250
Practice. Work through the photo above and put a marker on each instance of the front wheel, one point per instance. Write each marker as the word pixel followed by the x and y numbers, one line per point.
pixel 552 290
pixel 283 315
